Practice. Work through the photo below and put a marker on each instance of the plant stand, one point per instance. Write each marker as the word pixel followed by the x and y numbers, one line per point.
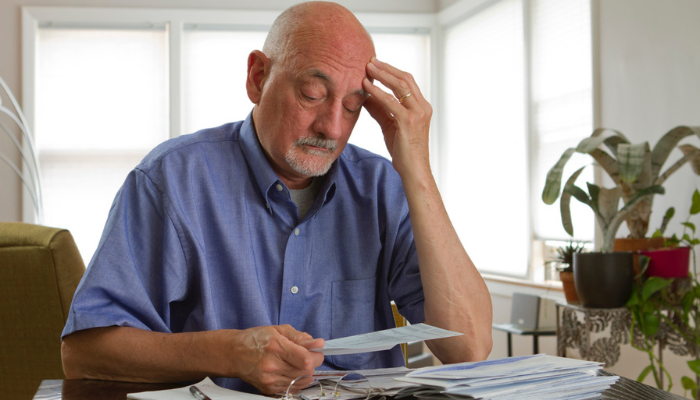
pixel 597 334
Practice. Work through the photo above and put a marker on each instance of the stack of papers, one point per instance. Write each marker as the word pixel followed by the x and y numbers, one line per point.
pixel 539 377
pixel 531 377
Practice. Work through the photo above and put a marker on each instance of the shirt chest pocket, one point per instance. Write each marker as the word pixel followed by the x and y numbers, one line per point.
pixel 353 305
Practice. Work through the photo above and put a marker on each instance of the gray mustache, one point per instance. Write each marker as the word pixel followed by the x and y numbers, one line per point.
pixel 318 142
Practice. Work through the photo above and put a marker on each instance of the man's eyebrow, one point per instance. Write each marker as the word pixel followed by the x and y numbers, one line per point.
pixel 319 74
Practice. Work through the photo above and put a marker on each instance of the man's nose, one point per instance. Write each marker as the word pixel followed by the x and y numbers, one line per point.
pixel 329 120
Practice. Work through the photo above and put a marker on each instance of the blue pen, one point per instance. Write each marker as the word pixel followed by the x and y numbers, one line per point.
pixel 198 394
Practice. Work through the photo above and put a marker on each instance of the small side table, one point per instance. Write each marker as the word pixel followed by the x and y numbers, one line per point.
pixel 511 329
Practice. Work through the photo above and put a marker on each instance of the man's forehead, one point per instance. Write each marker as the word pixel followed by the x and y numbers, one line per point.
pixel 317 73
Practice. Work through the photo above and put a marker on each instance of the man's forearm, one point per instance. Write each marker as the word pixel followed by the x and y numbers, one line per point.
pixel 456 296
pixel 135 355
pixel 267 357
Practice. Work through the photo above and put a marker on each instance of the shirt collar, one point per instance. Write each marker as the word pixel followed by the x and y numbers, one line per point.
pixel 263 173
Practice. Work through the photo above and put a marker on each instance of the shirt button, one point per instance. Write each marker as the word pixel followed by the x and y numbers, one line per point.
pixel 294 290
pixel 279 187
pixel 296 232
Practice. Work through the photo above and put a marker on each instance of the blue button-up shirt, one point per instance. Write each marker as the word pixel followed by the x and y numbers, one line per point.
pixel 203 235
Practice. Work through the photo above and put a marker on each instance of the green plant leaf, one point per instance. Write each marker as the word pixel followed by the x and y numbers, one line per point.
pixel 664 222
pixel 695 154
pixel 613 141
pixel 657 233
pixel 579 194
pixel 565 203
pixel 590 143
pixel 651 324
pixel 694 366
pixel 670 213
pixel 608 164
pixel 643 265
pixel 695 207
pixel 608 201
pixel 553 183
pixel 689 225
pixel 633 300
pixel 630 160
pixel 688 384
pixel 644 373
pixel 666 144
pixel 656 189
pixel 688 300
pixel 653 285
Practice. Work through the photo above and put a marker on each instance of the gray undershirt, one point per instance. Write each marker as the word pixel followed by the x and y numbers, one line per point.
pixel 304 198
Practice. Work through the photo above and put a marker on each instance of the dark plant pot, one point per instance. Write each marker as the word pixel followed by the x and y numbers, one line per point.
pixel 668 263
pixel 567 280
pixel 603 280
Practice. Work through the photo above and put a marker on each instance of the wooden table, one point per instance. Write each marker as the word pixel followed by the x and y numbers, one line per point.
pixel 78 389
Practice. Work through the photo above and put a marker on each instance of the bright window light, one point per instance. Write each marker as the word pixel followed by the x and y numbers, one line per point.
pixel 485 184
pixel 214 66
pixel 562 111
pixel 101 105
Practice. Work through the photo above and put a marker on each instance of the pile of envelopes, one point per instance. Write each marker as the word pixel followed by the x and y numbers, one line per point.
pixel 529 377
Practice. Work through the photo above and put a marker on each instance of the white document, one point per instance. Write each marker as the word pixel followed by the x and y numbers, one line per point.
pixel 328 374
pixel 509 366
pixel 207 386
pixel 383 340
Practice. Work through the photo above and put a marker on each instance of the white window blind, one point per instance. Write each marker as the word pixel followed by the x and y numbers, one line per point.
pixel 101 105
pixel 562 112
pixel 485 184
pixel 214 67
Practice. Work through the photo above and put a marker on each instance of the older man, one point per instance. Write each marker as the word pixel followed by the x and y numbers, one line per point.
pixel 228 251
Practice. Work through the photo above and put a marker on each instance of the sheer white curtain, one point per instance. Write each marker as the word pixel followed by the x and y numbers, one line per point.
pixel 101 105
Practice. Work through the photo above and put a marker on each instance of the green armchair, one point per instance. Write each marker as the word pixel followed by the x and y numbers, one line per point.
pixel 40 268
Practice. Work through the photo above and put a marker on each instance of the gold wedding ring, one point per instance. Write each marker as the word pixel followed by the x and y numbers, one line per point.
pixel 404 97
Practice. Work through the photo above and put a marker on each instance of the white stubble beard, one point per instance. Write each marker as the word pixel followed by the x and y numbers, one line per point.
pixel 307 161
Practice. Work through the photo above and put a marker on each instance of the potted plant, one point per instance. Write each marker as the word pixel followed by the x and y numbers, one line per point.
pixel 565 258
pixel 672 260
pixel 604 279
pixel 673 301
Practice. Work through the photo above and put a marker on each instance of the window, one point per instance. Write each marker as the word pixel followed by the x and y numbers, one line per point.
pixel 517 92
pixel 101 105
pixel 512 92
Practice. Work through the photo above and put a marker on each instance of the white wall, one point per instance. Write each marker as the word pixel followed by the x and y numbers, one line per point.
pixel 11 69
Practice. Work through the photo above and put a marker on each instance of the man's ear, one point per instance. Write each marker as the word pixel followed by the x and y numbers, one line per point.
pixel 258 70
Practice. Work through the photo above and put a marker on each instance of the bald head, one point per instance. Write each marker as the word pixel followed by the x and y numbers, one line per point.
pixel 306 26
